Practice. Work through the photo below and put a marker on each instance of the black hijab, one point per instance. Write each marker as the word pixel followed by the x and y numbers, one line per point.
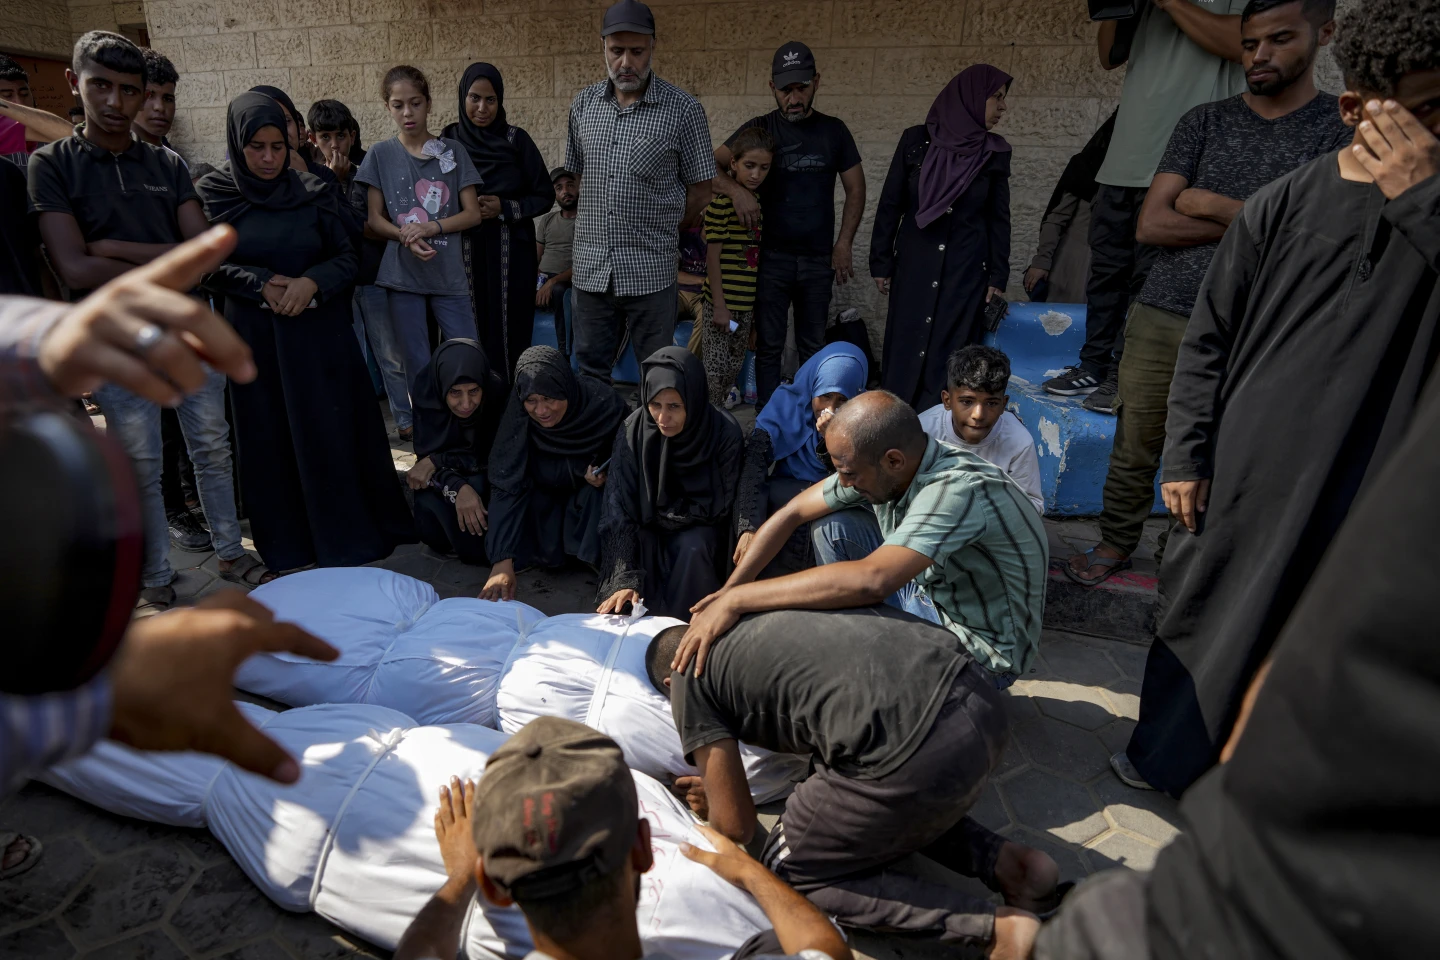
pixel 437 429
pixel 492 149
pixel 683 468
pixel 305 150
pixel 587 429
pixel 230 190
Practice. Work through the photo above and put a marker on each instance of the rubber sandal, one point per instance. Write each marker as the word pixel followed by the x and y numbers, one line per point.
pixel 1112 565
pixel 248 572
pixel 33 857
pixel 155 600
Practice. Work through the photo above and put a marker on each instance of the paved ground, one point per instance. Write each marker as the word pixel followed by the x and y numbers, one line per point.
pixel 110 888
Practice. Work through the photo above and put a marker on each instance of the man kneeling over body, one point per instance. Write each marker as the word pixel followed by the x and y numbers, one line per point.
pixel 952 539
pixel 903 728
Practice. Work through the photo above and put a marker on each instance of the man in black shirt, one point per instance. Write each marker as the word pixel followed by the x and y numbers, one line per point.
pixel 799 255
pixel 107 202
pixel 903 728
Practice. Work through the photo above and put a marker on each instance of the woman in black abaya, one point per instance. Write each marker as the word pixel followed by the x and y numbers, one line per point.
pixel 545 499
pixel 318 482
pixel 670 493
pixel 500 256
pixel 457 401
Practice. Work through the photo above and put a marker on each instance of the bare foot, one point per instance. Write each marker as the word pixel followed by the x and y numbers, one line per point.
pixel 1092 571
pixel 16 853
pixel 1026 877
pixel 1015 933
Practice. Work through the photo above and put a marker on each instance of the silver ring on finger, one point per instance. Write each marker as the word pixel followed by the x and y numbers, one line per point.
pixel 147 336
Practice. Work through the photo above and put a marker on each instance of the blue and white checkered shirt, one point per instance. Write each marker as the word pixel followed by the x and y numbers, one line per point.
pixel 634 164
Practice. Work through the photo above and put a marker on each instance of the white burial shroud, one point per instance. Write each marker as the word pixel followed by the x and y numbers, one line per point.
pixel 354 840
pixel 497 664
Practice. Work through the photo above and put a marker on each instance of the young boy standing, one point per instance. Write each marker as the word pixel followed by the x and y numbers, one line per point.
pixel 971 415
pixel 107 202
pixel 732 264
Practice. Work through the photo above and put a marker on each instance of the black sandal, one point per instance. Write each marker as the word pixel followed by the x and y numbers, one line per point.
pixel 247 571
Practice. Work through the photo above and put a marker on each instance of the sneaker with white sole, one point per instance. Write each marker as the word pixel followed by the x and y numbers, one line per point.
pixel 1127 773
pixel 1072 382
pixel 1105 397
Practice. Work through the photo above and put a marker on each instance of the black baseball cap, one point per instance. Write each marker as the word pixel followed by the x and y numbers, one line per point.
pixel 793 63
pixel 628 16
pixel 555 809
pixel 559 172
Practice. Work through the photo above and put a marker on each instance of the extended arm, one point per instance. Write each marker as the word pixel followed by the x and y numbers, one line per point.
pixel 732 810
pixel 1216 33
pixel 41 126
pixel 1163 226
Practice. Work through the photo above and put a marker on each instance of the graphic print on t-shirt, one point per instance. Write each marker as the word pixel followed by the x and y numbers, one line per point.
pixel 432 197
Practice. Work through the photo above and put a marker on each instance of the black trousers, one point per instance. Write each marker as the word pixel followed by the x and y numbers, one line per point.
pixel 852 845
pixel 1118 267
pixel 439 527
pixel 600 320
pixel 785 279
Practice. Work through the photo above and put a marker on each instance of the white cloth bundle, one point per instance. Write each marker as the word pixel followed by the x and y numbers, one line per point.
pixel 354 839
pixel 476 661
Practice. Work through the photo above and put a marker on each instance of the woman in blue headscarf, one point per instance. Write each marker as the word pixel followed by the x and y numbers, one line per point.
pixel 789 436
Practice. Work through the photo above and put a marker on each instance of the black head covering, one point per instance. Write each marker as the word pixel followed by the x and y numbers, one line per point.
pixel 275 93
pixel 231 189
pixel 682 471
pixel 437 430
pixel 492 149
pixel 587 429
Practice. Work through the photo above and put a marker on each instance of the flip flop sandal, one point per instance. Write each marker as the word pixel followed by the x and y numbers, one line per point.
pixel 248 572
pixel 33 857
pixel 1112 565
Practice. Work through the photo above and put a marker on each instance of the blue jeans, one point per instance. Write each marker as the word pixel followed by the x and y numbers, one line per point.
pixel 407 313
pixel 854 534
pixel 135 423
pixel 372 309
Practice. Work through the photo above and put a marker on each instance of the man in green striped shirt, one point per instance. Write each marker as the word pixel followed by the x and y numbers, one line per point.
pixel 951 539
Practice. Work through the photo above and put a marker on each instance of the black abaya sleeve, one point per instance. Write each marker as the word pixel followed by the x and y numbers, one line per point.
pixel 752 493
pixel 1416 215
pixel 729 454
pixel 619 526
pixel 1200 370
pixel 239 280
pixel 894 202
pixel 997 222
pixel 508 509
pixel 337 274
pixel 538 192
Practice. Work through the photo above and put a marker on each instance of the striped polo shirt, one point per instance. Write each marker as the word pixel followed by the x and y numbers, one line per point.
pixel 987 544
pixel 739 253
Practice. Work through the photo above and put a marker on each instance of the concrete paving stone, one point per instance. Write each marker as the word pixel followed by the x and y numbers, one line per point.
pixel 149 945
pixel 1062 748
pixel 312 937
pixel 1149 813
pixel 127 893
pixel 185 559
pixel 108 834
pixel 45 941
pixel 1012 761
pixel 1018 707
pixel 1127 851
pixel 1050 804
pixel 1130 658
pixel 989 811
pixel 223 909
pixel 1124 697
pixel 260 950
pixel 44 812
pixel 190 581
pixel 463 577
pixel 1116 736
pixel 1070 858
pixel 63 864
pixel 416 565
pixel 1072 702
pixel 1078 529
pixel 1078 662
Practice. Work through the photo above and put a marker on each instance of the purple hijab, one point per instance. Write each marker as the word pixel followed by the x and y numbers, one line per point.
pixel 959 143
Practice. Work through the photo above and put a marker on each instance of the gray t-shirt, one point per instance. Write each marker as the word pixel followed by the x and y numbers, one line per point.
pixel 1229 149
pixel 419 191
pixel 856 689
pixel 557 234
pixel 1167 74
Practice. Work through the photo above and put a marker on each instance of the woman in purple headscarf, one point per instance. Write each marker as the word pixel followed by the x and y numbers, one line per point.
pixel 941 245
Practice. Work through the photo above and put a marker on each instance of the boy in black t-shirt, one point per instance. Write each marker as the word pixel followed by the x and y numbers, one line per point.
pixel 800 255
pixel 107 202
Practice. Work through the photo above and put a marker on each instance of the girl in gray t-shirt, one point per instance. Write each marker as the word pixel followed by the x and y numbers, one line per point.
pixel 422 196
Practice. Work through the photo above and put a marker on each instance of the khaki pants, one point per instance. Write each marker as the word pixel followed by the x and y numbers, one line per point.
pixel 1152 344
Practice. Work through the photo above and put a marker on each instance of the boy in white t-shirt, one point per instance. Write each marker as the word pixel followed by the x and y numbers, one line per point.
pixel 971 415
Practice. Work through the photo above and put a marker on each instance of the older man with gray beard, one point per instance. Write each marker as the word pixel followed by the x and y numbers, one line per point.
pixel 641 148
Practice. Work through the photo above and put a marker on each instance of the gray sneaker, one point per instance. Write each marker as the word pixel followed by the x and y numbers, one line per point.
pixel 1072 382
pixel 1105 397
pixel 1127 773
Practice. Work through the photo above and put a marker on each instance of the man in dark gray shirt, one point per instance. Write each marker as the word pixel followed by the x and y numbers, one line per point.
pixel 903 727
pixel 1218 156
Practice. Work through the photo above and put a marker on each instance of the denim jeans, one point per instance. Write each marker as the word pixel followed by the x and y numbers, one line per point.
pixel 135 423
pixel 372 309
pixel 407 313
pixel 854 534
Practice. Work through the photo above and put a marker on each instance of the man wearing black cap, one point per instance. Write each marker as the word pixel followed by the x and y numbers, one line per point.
pixel 555 827
pixel 800 256
pixel 642 148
